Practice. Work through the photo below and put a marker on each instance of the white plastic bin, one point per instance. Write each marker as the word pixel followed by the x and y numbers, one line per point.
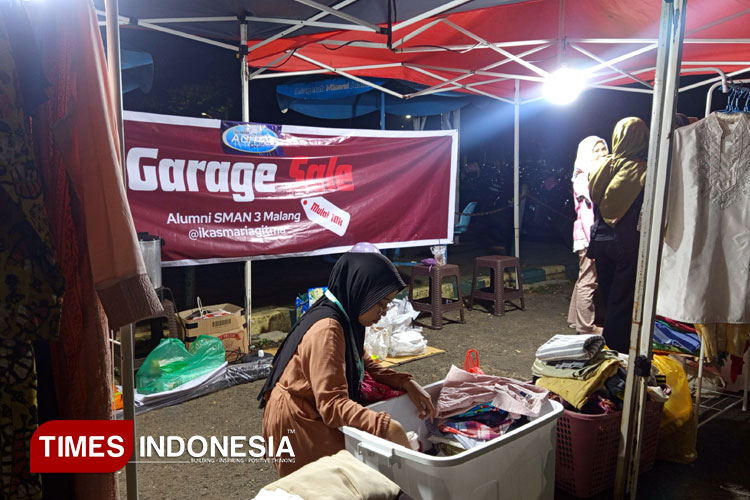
pixel 519 465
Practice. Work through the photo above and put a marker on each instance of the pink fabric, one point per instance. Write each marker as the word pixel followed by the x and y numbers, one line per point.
pixel 585 164
pixel 373 391
pixel 463 390
pixel 81 358
pixel 88 142
pixel 584 213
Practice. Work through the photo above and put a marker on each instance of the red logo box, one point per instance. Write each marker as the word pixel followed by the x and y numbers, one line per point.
pixel 82 446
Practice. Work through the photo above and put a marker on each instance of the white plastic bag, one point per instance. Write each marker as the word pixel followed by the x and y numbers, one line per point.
pixel 399 316
pixel 407 343
pixel 377 341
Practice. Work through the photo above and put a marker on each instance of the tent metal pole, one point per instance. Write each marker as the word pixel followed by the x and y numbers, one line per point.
pixel 245 79
pixel 342 15
pixel 430 13
pixel 254 19
pixel 666 84
pixel 467 87
pixel 539 71
pixel 516 169
pixel 624 57
pixel 382 111
pixel 714 79
pixel 701 41
pixel 257 76
pixel 126 332
pixel 300 25
pixel 445 48
pixel 456 119
pixel 611 66
pixel 620 89
pixel 440 87
pixel 347 75
pixel 416 32
pixel 189 36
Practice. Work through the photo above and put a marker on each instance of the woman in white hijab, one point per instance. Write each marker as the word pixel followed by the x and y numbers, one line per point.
pixel 581 312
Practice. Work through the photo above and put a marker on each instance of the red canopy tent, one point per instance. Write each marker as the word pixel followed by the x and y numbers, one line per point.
pixel 483 51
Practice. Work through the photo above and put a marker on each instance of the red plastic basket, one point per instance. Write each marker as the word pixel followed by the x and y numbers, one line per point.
pixel 587 449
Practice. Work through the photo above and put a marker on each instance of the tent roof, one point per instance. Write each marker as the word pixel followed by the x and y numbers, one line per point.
pixel 479 46
pixel 217 19
pixel 485 50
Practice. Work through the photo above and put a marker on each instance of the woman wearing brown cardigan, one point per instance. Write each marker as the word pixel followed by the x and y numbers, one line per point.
pixel 314 387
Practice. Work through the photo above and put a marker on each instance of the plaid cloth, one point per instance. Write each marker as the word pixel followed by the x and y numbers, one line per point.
pixel 476 430
pixel 479 410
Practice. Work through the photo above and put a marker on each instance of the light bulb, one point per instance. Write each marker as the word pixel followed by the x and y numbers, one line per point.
pixel 563 86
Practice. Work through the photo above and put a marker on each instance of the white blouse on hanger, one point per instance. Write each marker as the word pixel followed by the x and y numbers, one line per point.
pixel 705 267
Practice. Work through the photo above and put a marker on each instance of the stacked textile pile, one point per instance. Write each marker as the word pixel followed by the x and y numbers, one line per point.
pixel 585 376
pixel 475 408
pixel 675 336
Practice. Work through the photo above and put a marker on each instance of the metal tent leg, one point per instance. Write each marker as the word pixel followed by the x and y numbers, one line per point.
pixel 245 79
pixel 516 170
pixel 669 55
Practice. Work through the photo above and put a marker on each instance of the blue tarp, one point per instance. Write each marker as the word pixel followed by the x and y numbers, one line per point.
pixel 137 70
pixel 332 88
pixel 337 98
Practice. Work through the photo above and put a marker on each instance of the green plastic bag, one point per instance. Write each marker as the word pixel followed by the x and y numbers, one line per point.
pixel 170 365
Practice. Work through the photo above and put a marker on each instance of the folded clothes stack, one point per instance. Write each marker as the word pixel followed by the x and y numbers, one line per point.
pixel 475 408
pixel 674 336
pixel 582 374
pixel 570 348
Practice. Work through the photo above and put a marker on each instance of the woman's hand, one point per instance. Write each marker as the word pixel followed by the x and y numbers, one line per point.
pixel 397 434
pixel 420 398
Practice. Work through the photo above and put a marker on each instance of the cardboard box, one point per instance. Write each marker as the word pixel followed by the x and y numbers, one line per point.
pixel 229 328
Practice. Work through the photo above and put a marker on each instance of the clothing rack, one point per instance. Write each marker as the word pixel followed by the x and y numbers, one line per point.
pixel 720 409
pixel 746 356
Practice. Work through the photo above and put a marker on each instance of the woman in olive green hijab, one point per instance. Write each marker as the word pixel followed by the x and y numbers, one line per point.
pixel 616 188
pixel 619 180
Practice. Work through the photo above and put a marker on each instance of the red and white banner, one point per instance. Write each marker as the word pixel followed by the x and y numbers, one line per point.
pixel 220 191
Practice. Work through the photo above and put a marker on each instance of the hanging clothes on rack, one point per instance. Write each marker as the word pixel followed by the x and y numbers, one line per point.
pixel 705 270
pixel 77 144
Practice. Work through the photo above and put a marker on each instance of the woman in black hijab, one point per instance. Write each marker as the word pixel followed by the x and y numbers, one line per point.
pixel 315 384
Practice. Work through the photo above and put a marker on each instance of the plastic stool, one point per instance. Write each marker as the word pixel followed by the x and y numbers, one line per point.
pixel 436 306
pixel 497 292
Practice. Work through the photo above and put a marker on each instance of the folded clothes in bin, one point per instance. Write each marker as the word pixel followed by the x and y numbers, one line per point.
pixel 475 408
pixel 473 428
pixel 463 390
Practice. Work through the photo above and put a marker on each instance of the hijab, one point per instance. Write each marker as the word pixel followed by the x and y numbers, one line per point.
pixel 359 281
pixel 585 156
pixel 620 178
